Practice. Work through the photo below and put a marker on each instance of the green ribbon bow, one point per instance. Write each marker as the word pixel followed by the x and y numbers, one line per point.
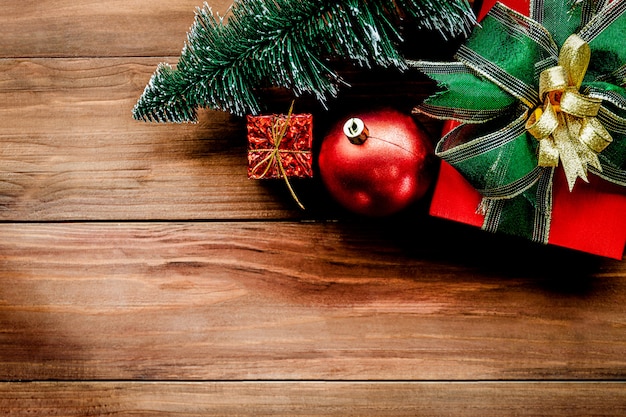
pixel 530 92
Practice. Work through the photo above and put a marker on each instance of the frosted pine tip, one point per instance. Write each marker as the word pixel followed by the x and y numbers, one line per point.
pixel 356 131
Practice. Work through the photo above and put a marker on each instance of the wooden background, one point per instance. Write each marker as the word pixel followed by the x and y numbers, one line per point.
pixel 142 273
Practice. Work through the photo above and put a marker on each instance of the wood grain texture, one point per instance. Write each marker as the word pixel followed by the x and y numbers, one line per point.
pixel 71 150
pixel 66 28
pixel 315 399
pixel 290 301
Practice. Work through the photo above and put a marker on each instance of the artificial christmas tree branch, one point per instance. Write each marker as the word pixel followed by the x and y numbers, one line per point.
pixel 285 43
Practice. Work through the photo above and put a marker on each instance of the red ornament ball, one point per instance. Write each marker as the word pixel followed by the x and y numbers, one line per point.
pixel 376 163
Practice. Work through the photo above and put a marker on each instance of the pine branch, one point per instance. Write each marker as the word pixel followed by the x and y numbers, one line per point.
pixel 449 18
pixel 283 43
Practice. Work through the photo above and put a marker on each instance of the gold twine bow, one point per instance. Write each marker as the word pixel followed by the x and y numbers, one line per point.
pixel 566 124
pixel 278 133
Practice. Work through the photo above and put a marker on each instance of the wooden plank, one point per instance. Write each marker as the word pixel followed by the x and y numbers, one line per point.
pixel 290 301
pixel 76 28
pixel 71 151
pixel 294 399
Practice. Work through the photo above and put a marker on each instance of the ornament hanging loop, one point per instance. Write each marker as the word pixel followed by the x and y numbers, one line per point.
pixel 356 131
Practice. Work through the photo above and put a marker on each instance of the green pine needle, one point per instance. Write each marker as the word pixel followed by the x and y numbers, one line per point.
pixel 284 43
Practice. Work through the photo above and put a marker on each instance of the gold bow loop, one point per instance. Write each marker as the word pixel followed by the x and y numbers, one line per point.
pixel 566 124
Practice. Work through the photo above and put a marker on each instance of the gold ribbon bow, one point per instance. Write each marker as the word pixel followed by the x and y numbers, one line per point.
pixel 566 124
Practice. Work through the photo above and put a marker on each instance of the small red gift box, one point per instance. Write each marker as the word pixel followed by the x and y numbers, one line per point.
pixel 591 218
pixel 279 146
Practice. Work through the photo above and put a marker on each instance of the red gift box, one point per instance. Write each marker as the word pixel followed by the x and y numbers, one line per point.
pixel 279 146
pixel 589 219
pixel 521 6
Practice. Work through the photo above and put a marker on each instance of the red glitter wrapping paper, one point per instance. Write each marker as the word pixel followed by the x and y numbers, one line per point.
pixel 280 146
